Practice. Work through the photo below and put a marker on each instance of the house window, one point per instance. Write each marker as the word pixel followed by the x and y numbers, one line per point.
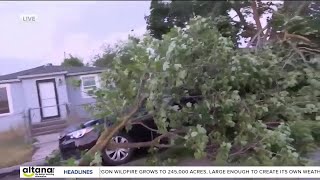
pixel 5 102
pixel 88 84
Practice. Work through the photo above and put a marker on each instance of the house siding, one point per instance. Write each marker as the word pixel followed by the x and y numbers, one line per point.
pixel 32 100
pixel 16 118
pixel 77 101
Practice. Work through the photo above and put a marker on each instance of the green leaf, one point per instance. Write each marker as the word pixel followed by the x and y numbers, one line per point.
pixel 194 134
pixel 165 66
pixel 177 66
pixel 182 74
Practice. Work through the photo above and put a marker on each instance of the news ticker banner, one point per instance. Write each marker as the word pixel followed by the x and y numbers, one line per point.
pixel 170 172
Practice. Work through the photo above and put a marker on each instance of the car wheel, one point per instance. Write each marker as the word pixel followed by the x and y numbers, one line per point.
pixel 118 156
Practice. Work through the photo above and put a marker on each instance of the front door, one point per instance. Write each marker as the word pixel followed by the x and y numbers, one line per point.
pixel 48 100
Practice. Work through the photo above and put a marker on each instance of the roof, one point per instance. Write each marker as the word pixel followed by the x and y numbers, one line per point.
pixel 48 69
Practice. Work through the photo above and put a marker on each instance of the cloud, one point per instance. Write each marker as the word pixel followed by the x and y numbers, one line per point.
pixel 82 45
pixel 20 40
pixel 32 40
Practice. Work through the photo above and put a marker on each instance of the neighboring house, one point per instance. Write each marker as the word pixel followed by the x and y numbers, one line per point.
pixel 45 93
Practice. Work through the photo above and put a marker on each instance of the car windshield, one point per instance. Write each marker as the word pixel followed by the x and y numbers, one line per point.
pixel 71 129
pixel 92 123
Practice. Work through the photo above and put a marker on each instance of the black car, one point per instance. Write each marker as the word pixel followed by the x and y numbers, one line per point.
pixel 75 139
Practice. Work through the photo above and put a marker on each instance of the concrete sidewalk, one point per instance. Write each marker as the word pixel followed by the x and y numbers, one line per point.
pixel 46 144
pixel 43 139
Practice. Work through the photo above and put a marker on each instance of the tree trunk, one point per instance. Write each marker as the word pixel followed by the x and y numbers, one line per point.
pixel 107 135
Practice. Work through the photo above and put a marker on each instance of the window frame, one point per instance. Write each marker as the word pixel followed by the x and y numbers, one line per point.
pixel 9 97
pixel 83 91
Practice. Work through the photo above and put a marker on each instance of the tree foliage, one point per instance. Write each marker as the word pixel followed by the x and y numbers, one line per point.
pixel 106 59
pixel 72 62
pixel 252 104
pixel 256 107
pixel 165 15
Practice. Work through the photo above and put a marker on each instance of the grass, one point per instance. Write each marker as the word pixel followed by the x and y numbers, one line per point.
pixel 13 148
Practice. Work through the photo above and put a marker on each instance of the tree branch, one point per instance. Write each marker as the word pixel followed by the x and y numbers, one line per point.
pixel 269 29
pixel 108 133
pixel 145 126
pixel 297 51
pixel 257 35
pixel 309 50
pixel 245 149
pixel 154 142
pixel 297 38
pixel 142 118
pixel 246 107
pixel 267 33
pixel 240 15
pixel 288 60
pixel 256 16
pixel 301 8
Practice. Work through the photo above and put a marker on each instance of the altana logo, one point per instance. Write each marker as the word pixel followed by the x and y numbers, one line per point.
pixel 30 172
pixel 28 175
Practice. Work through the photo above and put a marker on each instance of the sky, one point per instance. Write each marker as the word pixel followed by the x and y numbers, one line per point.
pixel 78 28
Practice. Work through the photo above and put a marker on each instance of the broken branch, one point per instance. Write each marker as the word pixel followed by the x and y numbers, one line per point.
pixel 154 142
pixel 245 149
pixel 257 35
pixel 145 126
pixel 108 133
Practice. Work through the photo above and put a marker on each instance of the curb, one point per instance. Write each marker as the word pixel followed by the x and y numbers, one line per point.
pixel 14 170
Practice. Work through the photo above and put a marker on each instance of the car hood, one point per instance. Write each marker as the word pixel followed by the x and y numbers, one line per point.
pixel 68 130
pixel 90 123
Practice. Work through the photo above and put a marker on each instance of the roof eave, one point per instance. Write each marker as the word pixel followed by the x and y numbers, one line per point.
pixel 41 75
pixel 9 81
pixel 83 73
pixel 18 79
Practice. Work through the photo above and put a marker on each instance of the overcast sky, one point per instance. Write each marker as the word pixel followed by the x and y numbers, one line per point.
pixel 79 28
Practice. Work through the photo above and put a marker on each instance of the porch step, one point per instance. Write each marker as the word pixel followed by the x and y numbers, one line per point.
pixel 46 132
pixel 48 123
pixel 48 127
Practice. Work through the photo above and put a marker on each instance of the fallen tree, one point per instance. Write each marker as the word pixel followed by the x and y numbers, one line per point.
pixel 249 101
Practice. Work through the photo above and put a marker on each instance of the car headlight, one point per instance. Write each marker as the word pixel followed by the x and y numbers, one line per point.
pixel 80 133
